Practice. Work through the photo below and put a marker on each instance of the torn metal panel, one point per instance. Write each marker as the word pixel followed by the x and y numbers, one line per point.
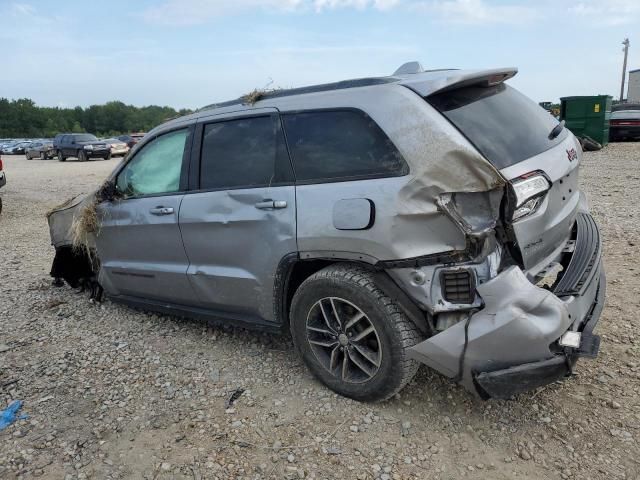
pixel 61 220
pixel 423 283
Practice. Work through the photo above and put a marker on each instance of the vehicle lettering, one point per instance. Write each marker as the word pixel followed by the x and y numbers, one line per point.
pixel 572 154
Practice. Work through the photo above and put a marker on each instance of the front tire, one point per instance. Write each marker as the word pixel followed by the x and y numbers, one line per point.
pixel 82 156
pixel 61 156
pixel 351 335
pixel 107 156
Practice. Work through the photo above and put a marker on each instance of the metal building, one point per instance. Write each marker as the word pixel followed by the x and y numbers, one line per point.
pixel 633 92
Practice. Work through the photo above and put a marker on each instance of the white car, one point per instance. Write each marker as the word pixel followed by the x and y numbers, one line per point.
pixel 118 147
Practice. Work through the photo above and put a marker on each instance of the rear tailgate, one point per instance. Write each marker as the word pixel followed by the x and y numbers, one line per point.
pixel 542 235
pixel 513 133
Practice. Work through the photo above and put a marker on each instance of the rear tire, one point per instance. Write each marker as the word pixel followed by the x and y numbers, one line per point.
pixel 362 354
pixel 107 156
pixel 43 156
pixel 60 156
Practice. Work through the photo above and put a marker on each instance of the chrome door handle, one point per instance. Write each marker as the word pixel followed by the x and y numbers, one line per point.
pixel 271 204
pixel 161 211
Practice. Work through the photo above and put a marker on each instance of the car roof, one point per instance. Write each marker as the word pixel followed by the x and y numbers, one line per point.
pixel 426 82
pixel 410 75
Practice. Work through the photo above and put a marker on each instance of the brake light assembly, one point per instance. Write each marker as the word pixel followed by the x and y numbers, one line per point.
pixel 528 192
pixel 625 123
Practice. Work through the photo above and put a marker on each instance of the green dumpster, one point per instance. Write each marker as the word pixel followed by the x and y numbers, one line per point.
pixel 587 116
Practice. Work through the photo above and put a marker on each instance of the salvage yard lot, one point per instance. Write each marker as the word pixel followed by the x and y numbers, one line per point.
pixel 115 393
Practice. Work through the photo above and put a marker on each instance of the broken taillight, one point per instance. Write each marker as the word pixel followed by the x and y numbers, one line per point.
pixel 475 212
pixel 625 123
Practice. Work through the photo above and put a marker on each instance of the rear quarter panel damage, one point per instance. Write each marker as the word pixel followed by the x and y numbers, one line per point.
pixel 408 222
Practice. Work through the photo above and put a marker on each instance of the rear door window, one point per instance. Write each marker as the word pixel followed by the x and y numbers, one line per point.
pixel 334 145
pixel 503 124
pixel 244 153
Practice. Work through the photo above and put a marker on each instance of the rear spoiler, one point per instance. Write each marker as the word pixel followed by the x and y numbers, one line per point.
pixel 425 84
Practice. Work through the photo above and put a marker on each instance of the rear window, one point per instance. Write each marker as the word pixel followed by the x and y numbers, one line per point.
pixel 244 153
pixel 625 114
pixel 503 124
pixel 334 145
pixel 85 138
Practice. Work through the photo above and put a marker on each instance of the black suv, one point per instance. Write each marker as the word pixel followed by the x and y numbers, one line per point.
pixel 80 145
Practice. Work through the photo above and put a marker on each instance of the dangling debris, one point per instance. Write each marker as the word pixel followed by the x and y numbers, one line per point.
pixel 253 97
pixel 258 94
pixel 85 223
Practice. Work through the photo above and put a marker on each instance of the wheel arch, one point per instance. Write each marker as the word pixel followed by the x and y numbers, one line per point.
pixel 293 271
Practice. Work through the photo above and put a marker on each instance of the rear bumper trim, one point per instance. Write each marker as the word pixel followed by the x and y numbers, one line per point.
pixel 584 260
pixel 511 381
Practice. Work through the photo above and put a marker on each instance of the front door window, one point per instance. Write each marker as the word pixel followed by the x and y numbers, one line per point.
pixel 156 168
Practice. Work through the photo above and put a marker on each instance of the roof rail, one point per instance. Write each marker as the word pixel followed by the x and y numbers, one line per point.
pixel 343 84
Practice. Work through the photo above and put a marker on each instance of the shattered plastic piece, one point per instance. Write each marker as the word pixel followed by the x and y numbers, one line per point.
pixel 234 396
pixel 10 414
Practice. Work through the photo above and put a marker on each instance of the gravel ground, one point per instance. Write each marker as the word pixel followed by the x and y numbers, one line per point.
pixel 111 392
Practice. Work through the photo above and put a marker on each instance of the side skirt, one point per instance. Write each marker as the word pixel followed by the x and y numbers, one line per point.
pixel 217 318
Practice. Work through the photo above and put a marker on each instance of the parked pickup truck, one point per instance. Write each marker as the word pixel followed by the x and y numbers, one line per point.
pixel 82 146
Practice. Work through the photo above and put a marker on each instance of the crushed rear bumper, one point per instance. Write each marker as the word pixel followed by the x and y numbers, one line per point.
pixel 509 381
pixel 511 344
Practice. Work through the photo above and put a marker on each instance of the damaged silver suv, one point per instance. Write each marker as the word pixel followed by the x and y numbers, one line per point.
pixel 427 217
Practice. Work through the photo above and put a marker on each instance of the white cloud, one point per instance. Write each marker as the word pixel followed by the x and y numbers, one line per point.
pixel 320 5
pixel 192 12
pixel 477 12
pixel 608 12
pixel 23 9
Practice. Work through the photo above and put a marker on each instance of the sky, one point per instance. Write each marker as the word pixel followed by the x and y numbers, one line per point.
pixel 191 53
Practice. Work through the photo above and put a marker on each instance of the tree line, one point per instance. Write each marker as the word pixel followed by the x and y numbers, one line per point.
pixel 22 118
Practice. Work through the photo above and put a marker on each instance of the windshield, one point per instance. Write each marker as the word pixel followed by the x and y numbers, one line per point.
pixel 86 138
pixel 503 124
